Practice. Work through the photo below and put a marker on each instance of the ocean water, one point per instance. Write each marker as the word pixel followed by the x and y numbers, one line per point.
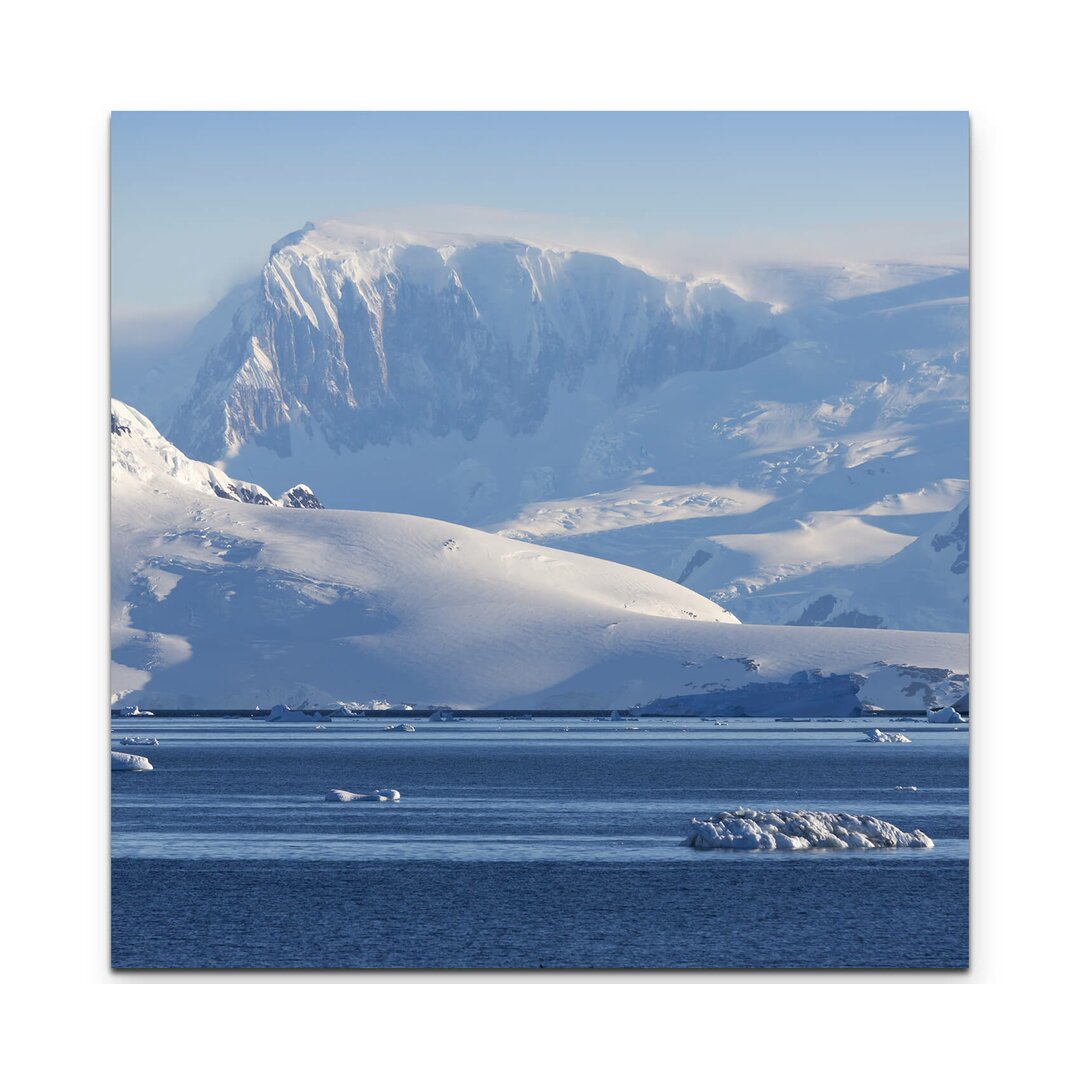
pixel 527 844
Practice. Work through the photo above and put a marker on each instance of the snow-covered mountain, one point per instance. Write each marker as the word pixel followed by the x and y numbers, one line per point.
pixel 736 446
pixel 830 457
pixel 365 340
pixel 222 596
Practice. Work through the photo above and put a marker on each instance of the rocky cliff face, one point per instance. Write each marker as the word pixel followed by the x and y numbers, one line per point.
pixel 368 339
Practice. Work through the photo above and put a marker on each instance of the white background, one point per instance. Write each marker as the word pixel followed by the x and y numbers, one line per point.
pixel 67 66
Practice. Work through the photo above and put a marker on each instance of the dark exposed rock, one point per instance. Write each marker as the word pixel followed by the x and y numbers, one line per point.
pixel 301 497
pixel 806 693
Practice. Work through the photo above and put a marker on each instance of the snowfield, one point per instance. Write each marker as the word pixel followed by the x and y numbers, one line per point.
pixel 223 601
pixel 799 830
pixel 641 504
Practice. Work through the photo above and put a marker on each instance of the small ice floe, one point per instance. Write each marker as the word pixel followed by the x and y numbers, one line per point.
pixel 320 727
pixel 798 830
pixel 948 715
pixel 378 795
pixel 138 740
pixel 879 736
pixel 132 710
pixel 443 715
pixel 129 763
pixel 399 727
pixel 905 787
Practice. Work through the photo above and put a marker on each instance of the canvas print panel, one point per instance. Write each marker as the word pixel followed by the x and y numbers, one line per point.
pixel 539 540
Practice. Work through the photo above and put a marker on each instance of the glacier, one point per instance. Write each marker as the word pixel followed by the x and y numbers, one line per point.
pixel 219 601
pixel 799 830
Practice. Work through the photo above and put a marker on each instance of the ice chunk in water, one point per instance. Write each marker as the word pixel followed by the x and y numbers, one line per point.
pixel 129 763
pixel 879 736
pixel 378 795
pixel 798 830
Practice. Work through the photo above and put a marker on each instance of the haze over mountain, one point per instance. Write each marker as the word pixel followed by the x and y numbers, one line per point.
pixel 770 453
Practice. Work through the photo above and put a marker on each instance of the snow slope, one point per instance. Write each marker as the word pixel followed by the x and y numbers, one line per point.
pixel 218 600
pixel 925 582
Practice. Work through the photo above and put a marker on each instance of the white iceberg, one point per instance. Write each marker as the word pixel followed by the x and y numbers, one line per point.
pixel 378 795
pixel 798 830
pixel 138 740
pixel 132 710
pixel 905 787
pixel 399 727
pixel 948 715
pixel 879 736
pixel 129 763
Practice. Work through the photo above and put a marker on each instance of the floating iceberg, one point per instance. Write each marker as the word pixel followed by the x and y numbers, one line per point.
pixel 615 716
pixel 138 740
pixel 879 736
pixel 129 763
pixel 443 715
pixel 132 710
pixel 378 795
pixel 399 727
pixel 948 715
pixel 798 830
pixel 905 787
pixel 283 712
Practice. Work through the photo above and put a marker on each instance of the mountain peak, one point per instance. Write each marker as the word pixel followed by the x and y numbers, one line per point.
pixel 142 458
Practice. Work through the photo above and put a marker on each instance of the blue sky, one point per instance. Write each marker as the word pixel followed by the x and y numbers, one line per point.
pixel 197 198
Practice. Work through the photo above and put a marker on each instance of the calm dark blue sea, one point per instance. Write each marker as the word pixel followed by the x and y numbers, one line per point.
pixel 524 845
